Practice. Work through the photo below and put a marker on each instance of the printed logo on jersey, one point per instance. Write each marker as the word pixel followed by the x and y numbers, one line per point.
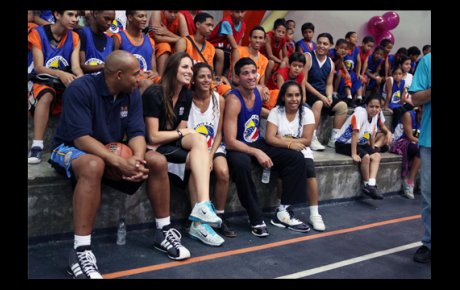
pixel 94 61
pixel 207 130
pixel 396 97
pixel 366 137
pixel 142 61
pixel 123 111
pixel 57 62
pixel 116 26
pixel 251 129
pixel 349 64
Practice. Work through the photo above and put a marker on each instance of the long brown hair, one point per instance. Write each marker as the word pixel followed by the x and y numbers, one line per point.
pixel 196 68
pixel 169 83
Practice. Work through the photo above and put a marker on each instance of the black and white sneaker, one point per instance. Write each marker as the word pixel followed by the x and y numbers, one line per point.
pixel 286 219
pixel 371 190
pixel 82 264
pixel 35 155
pixel 167 240
pixel 260 230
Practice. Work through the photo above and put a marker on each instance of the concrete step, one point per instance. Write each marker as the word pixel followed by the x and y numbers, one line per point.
pixel 50 194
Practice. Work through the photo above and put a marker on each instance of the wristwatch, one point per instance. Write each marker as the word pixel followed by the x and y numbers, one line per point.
pixel 180 133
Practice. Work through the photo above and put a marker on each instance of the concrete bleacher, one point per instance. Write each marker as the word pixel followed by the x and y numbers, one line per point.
pixel 50 194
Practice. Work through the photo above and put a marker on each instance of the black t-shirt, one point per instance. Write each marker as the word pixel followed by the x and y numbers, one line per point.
pixel 152 100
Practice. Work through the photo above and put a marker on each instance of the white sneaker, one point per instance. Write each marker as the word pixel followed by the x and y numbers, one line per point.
pixel 331 143
pixel 206 234
pixel 205 213
pixel 408 190
pixel 316 221
pixel 315 145
pixel 287 219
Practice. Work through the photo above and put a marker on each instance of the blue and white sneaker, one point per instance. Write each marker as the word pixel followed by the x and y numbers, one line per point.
pixel 204 212
pixel 286 219
pixel 206 234
pixel 35 155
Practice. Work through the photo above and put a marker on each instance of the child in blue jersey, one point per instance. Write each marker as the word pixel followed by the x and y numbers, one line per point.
pixel 388 57
pixel 394 93
pixel 352 63
pixel 55 49
pixel 337 55
pixel 306 44
pixel 95 44
pixel 356 139
pixel 375 63
pixel 142 46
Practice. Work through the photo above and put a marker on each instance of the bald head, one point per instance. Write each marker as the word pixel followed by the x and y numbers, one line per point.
pixel 118 60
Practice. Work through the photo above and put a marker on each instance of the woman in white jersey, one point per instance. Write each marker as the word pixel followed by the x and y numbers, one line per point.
pixel 290 125
pixel 205 117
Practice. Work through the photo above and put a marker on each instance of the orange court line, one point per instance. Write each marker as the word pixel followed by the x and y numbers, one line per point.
pixel 252 249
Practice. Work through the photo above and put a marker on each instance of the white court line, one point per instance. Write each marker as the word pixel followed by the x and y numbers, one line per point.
pixel 349 262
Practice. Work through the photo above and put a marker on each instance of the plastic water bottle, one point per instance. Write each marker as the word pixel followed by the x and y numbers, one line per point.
pixel 266 175
pixel 121 233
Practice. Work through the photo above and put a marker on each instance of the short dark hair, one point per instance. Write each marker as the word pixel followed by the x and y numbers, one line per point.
pixel 201 17
pixel 307 25
pixel 242 62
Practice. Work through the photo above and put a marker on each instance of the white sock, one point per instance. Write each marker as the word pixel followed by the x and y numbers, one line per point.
pixel 314 134
pixel 81 241
pixel 283 207
pixel 37 143
pixel 359 97
pixel 162 222
pixel 366 182
pixel 334 133
pixel 314 210
pixel 372 181
pixel 220 211
pixel 349 97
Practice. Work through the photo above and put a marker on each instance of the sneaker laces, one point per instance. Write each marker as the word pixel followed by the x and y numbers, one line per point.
pixel 173 236
pixel 87 261
pixel 293 218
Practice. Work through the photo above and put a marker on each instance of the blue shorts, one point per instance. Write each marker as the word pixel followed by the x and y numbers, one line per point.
pixel 61 159
pixel 64 155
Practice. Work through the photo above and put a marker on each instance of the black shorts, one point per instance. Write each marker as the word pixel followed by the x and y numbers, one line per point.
pixel 310 165
pixel 345 149
pixel 173 152
pixel 311 99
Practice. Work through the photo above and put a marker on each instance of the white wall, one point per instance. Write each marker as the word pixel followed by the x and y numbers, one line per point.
pixel 414 27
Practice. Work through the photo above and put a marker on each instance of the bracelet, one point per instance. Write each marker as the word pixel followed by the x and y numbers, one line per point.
pixel 289 144
pixel 180 133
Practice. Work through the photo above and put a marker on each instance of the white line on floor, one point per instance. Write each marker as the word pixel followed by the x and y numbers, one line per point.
pixel 349 261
